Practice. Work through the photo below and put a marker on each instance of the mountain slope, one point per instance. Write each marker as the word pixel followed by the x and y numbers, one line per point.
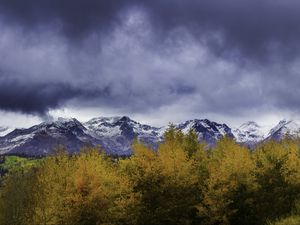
pixel 249 133
pixel 285 128
pixel 43 138
pixel 114 134
pixel 206 130
pixel 117 133
pixel 4 131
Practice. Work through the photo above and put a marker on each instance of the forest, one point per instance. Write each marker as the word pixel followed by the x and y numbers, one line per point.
pixel 181 182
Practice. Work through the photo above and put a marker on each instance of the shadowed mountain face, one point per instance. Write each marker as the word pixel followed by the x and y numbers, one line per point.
pixel 116 135
pixel 206 130
pixel 42 139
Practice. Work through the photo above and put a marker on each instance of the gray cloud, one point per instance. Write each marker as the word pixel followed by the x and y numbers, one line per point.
pixel 222 57
pixel 33 98
pixel 255 28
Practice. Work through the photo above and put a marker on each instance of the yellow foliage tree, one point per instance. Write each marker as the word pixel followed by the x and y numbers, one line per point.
pixel 165 181
pixel 277 176
pixel 16 203
pixel 230 170
pixel 81 189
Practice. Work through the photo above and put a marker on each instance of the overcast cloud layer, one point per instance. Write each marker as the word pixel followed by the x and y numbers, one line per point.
pixel 228 59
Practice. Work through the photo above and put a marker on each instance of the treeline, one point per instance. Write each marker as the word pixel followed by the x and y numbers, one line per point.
pixel 182 182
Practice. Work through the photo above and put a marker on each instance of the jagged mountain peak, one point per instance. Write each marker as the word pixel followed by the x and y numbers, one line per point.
pixel 116 120
pixel 112 126
pixel 125 119
pixel 288 123
pixel 249 133
pixel 116 134
pixel 43 138
pixel 65 121
pixel 285 127
pixel 206 130
pixel 203 122
pixel 58 125
pixel 103 119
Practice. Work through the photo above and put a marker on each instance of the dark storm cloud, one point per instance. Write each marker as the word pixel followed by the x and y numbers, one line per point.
pixel 76 17
pixel 33 98
pixel 211 56
pixel 255 28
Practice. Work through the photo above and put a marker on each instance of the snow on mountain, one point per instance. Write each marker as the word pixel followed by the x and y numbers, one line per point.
pixel 285 128
pixel 43 138
pixel 114 134
pixel 4 131
pixel 117 133
pixel 249 133
pixel 206 130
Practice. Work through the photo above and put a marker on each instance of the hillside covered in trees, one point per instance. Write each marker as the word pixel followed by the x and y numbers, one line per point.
pixel 182 182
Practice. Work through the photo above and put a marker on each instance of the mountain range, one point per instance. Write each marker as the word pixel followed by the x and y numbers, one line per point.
pixel 116 134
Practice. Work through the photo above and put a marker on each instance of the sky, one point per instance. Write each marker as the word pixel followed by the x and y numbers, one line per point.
pixel 155 61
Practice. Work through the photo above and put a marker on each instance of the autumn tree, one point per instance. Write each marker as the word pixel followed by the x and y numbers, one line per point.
pixel 16 202
pixel 277 176
pixel 226 199
pixel 80 189
pixel 165 180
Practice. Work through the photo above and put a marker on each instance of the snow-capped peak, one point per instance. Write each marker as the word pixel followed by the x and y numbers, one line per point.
pixel 249 132
pixel 60 123
pixel 206 130
pixel 285 127
pixel 116 134
pixel 100 120
pixel 112 126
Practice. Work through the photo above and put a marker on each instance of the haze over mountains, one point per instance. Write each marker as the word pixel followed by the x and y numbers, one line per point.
pixel 116 134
